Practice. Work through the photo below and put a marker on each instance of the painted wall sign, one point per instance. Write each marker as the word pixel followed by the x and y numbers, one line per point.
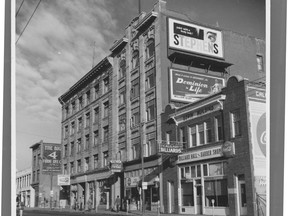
pixel 200 155
pixel 51 158
pixel 171 147
pixel 195 38
pixel 132 181
pixel 63 180
pixel 188 86
pixel 256 93
pixel 116 166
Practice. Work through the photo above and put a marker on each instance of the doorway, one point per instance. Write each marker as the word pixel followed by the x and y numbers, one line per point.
pixel 242 197
pixel 171 202
pixel 198 189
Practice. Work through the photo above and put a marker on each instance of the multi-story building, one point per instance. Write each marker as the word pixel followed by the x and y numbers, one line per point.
pixel 44 179
pixel 222 167
pixel 24 191
pixel 163 58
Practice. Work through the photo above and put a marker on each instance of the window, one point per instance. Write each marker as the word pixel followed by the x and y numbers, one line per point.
pixel 134 152
pixel 71 167
pixel 208 131
pixel 79 124
pixel 80 102
pixel 65 169
pixel 105 85
pixel 236 123
pixel 105 109
pixel 88 97
pixel 193 137
pixel 73 104
pixel 38 174
pixel 260 65
pixel 87 120
pixel 182 137
pixel 150 148
pixel 201 134
pixel 66 131
pixel 87 140
pixel 150 49
pixel 150 110
pixel 216 190
pixel 65 150
pixel 150 79
pixel 168 137
pixel 122 68
pixel 122 122
pixel 96 114
pixel 79 145
pixel 187 194
pixel 122 96
pixel 86 165
pixel 72 129
pixel 78 166
pixel 135 118
pixel 72 148
pixel 135 59
pixel 135 88
pixel 96 137
pixel 66 112
pixel 34 176
pixel 34 160
pixel 218 128
pixel 105 158
pixel 105 133
pixel 96 161
pixel 96 91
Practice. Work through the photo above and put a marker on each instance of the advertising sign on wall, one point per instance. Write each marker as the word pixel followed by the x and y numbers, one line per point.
pixel 193 38
pixel 257 111
pixel 63 180
pixel 189 86
pixel 51 158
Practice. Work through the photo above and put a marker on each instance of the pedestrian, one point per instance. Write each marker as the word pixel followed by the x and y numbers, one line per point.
pixel 75 203
pixel 117 203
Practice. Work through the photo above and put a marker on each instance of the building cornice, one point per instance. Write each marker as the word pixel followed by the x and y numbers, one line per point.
pixel 146 21
pixel 118 46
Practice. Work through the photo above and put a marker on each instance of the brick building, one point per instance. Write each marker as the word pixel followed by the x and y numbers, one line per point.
pixel 44 182
pixel 24 191
pixel 148 68
pixel 224 152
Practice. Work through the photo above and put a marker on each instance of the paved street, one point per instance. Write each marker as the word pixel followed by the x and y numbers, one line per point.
pixel 57 212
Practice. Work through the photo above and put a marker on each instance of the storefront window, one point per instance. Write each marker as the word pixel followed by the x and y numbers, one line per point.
pixel 217 190
pixel 187 194
pixel 216 169
pixel 193 171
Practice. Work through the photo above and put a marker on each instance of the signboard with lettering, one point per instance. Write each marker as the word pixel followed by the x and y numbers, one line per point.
pixel 63 180
pixel 257 110
pixel 170 147
pixel 194 38
pixel 257 94
pixel 116 166
pixel 189 86
pixel 51 158
pixel 200 155
pixel 132 181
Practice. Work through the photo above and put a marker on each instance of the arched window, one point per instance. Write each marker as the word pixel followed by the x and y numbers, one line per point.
pixel 135 59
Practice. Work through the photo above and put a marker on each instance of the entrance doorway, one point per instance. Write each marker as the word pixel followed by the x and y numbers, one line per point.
pixel 198 198
pixel 242 197
pixel 171 202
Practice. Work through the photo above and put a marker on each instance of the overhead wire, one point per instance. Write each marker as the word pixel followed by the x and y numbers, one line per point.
pixel 19 8
pixel 29 21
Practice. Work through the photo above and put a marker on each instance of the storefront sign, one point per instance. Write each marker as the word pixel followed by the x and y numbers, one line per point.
pixel 189 87
pixel 132 181
pixel 228 149
pixel 170 147
pixel 256 93
pixel 73 188
pixel 51 158
pixel 193 38
pixel 116 166
pixel 63 180
pixel 200 155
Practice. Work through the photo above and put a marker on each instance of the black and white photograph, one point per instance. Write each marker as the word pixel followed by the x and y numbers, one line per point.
pixel 141 107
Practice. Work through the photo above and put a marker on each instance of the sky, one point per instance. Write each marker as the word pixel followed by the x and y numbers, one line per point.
pixel 56 50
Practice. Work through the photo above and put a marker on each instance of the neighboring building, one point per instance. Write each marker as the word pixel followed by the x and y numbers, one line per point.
pixel 224 152
pixel 46 164
pixel 163 58
pixel 24 191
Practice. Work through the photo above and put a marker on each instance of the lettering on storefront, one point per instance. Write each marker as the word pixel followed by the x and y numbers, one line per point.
pixel 132 181
pixel 199 155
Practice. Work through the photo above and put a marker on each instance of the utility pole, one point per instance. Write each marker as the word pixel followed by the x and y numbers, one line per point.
pixel 139 6
pixel 142 165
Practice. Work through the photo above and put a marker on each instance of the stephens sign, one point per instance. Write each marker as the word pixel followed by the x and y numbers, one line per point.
pixel 195 38
pixel 189 87
pixel 51 158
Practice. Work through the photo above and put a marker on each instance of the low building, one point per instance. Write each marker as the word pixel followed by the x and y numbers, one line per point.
pixel 46 165
pixel 222 167
pixel 24 191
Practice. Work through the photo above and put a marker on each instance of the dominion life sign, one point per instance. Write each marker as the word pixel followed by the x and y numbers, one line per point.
pixel 189 86
pixel 193 38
